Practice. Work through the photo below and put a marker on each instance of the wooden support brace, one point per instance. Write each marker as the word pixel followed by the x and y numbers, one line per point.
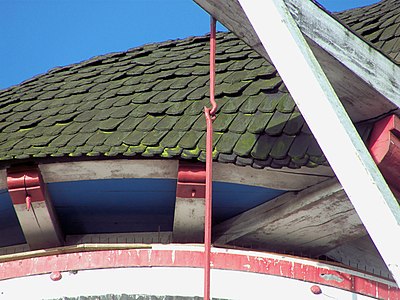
pixel 33 208
pixel 190 203
pixel 330 124
pixel 289 222
pixel 384 146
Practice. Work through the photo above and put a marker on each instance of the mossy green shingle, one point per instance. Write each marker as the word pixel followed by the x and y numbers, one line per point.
pixel 150 102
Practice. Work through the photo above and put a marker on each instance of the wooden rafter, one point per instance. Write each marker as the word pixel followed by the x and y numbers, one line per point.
pixel 356 70
pixel 33 207
pixel 289 222
pixel 330 124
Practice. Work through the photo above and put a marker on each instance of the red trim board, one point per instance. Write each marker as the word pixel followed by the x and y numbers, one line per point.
pixel 186 256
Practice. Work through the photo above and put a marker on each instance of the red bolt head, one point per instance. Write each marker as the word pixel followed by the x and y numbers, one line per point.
pixel 28 201
pixel 316 290
pixel 55 276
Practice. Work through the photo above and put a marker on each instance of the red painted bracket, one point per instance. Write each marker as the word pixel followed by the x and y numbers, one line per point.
pixel 38 219
pixel 191 180
pixel 25 186
pixel 384 146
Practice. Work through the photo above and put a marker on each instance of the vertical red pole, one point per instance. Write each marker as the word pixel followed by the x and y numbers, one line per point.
pixel 210 116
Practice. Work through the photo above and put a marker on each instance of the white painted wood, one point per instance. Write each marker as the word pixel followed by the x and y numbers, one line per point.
pixel 369 64
pixel 280 179
pixel 40 228
pixel 361 98
pixel 189 220
pixel 289 222
pixel 330 124
pixel 109 169
pixel 164 281
pixel 284 179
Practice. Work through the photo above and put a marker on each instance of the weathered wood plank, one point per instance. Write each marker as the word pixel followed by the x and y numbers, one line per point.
pixel 280 179
pixel 330 124
pixel 312 221
pixel 312 230
pixel 189 220
pixel 108 169
pixel 369 64
pixel 360 254
pixel 362 91
pixel 284 179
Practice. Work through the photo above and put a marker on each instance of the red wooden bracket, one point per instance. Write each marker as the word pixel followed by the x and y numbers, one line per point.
pixel 191 180
pixel 384 146
pixel 190 203
pixel 25 186
pixel 33 207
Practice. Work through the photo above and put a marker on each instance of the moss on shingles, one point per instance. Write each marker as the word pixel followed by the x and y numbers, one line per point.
pixel 151 102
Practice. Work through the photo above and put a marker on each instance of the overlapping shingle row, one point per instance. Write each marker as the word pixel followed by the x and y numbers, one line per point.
pixel 149 102
pixel 378 24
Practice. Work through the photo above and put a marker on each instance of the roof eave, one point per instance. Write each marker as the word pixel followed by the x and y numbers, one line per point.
pixel 358 72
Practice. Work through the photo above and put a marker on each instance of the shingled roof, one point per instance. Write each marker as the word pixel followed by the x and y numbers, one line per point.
pixel 378 24
pixel 148 102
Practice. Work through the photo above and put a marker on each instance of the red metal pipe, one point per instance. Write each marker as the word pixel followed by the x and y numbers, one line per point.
pixel 212 66
pixel 210 116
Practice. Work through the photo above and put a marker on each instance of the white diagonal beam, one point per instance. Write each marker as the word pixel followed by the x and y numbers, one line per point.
pixel 330 124
pixel 332 36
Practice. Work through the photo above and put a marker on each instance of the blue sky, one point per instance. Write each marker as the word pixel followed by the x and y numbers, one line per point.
pixel 37 35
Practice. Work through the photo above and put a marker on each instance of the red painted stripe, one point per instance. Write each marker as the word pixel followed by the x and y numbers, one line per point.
pixel 244 261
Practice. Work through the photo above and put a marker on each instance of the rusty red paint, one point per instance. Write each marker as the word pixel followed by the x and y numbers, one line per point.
pixel 191 180
pixel 247 261
pixel 384 146
pixel 210 116
pixel 24 183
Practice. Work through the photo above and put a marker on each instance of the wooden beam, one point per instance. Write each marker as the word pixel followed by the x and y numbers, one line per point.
pixel 281 179
pixel 330 124
pixel 161 237
pixel 365 61
pixel 190 203
pixel 360 254
pixel 3 179
pixel 108 169
pixel 34 208
pixel 384 146
pixel 354 82
pixel 188 220
pixel 311 222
